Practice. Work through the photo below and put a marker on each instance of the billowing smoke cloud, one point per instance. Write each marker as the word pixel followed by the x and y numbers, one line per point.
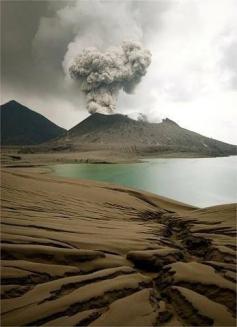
pixel 102 75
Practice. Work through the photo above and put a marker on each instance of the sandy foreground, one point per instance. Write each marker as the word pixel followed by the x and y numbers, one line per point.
pixel 78 253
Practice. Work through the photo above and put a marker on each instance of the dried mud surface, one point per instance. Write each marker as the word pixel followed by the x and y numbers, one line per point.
pixel 82 253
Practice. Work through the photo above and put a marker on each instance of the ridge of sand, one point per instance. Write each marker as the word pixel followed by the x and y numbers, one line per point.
pixel 78 253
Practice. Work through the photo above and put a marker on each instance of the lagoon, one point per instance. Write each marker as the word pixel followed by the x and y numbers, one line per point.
pixel 198 181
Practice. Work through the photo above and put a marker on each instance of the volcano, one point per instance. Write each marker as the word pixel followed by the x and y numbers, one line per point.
pixel 23 126
pixel 120 133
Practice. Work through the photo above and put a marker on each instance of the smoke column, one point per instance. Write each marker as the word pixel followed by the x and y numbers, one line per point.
pixel 101 75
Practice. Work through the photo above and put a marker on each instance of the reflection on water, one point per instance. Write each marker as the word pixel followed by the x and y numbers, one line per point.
pixel 201 182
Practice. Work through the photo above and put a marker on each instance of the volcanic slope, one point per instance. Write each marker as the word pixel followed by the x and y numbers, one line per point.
pixel 22 126
pixel 117 131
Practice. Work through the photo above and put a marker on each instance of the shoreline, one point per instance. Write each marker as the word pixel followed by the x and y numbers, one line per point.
pixel 43 161
pixel 152 175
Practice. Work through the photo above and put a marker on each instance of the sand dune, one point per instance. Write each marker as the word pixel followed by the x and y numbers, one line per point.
pixel 78 253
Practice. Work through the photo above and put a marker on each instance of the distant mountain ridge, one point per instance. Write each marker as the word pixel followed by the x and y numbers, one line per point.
pixel 23 126
pixel 118 131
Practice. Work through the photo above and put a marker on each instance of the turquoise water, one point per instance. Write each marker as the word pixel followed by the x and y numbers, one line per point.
pixel 201 182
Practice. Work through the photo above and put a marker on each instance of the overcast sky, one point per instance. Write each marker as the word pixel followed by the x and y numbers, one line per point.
pixel 192 78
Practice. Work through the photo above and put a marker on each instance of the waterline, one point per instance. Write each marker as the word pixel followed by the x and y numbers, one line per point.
pixel 197 181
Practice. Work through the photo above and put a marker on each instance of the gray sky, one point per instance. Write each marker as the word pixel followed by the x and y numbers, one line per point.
pixel 192 78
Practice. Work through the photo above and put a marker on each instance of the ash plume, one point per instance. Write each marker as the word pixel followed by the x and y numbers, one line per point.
pixel 101 75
